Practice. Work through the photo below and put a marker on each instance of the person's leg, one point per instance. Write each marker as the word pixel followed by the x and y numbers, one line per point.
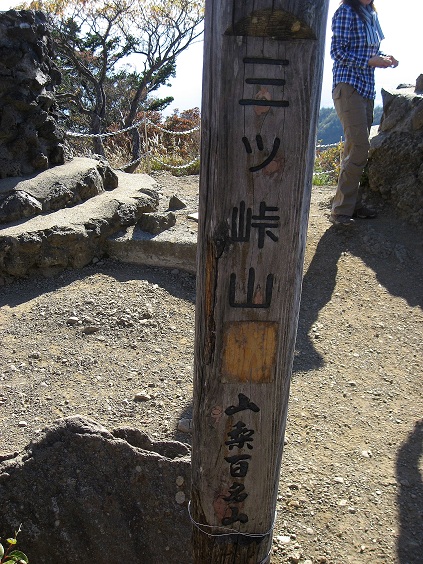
pixel 353 110
pixel 361 210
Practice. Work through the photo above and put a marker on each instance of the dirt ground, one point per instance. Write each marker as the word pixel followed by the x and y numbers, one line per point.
pixel 114 342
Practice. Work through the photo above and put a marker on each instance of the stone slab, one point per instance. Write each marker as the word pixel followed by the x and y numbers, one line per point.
pixel 174 248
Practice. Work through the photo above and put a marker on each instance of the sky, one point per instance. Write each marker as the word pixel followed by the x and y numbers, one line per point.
pixel 401 27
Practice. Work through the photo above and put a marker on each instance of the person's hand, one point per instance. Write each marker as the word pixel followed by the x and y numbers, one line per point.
pixel 394 62
pixel 383 61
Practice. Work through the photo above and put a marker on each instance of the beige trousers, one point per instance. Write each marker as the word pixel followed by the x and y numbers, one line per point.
pixel 356 115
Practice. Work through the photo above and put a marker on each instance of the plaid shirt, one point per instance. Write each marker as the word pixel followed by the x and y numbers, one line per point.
pixel 351 53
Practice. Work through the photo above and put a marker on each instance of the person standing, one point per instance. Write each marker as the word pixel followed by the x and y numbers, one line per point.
pixel 355 50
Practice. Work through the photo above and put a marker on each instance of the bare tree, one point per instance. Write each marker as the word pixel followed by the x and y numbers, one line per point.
pixel 101 42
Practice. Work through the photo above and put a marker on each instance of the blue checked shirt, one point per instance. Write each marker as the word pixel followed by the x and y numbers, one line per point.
pixel 351 53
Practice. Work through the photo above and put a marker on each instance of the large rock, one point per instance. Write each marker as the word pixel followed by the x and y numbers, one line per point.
pixel 30 139
pixel 395 168
pixel 59 187
pixel 73 237
pixel 84 494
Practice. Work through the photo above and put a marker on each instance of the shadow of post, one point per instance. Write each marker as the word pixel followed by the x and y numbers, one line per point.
pixel 410 497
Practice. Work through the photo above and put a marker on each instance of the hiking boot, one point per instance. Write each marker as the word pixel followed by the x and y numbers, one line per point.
pixel 344 220
pixel 365 213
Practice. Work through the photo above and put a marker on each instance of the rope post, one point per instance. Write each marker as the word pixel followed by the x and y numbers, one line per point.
pixel 263 64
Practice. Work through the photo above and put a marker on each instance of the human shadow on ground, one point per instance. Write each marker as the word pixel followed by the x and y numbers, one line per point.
pixel 394 251
pixel 410 497
pixel 386 246
pixel 317 290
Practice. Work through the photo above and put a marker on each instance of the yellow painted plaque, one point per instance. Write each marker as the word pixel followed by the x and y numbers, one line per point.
pixel 249 351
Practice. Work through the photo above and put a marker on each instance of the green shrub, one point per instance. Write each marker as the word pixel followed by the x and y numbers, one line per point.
pixel 327 164
pixel 10 556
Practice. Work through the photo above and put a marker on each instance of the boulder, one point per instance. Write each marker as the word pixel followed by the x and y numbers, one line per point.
pixel 395 167
pixel 53 189
pixel 84 494
pixel 73 237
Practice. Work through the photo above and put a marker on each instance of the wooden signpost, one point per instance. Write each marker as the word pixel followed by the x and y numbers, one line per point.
pixel 261 91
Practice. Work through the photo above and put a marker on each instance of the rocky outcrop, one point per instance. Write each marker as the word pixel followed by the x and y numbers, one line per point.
pixel 72 237
pixel 395 168
pixel 84 494
pixel 30 139
pixel 61 187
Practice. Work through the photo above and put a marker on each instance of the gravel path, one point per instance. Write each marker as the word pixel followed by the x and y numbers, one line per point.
pixel 115 342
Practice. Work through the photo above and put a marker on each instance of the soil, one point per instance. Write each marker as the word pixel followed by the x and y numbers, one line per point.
pixel 114 342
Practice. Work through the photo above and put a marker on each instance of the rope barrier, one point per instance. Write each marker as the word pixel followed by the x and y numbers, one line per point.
pixel 176 167
pixel 188 132
pixel 101 135
pixel 144 122
pixel 323 172
pixel 327 146
pixel 130 128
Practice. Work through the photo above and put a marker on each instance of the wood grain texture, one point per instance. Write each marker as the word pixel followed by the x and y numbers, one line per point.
pixel 260 105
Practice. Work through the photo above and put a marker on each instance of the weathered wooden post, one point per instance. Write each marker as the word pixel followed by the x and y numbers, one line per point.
pixel 261 91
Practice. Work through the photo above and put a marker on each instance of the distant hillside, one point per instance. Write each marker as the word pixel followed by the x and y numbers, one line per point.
pixel 329 129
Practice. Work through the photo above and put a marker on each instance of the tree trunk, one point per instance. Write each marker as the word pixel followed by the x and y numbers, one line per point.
pixel 261 91
pixel 97 141
pixel 135 151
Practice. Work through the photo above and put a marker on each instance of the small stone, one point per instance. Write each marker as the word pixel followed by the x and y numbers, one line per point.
pixel 155 222
pixel 180 497
pixel 141 396
pixel 295 557
pixel 179 480
pixel 22 424
pixel 90 329
pixel 185 425
pixel 366 453
pixel 342 502
pixel 283 539
pixel 176 203
pixel 35 355
pixel 338 480
pixel 310 531
pixel 72 320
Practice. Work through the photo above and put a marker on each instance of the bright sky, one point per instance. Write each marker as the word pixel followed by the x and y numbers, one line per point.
pixel 401 27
